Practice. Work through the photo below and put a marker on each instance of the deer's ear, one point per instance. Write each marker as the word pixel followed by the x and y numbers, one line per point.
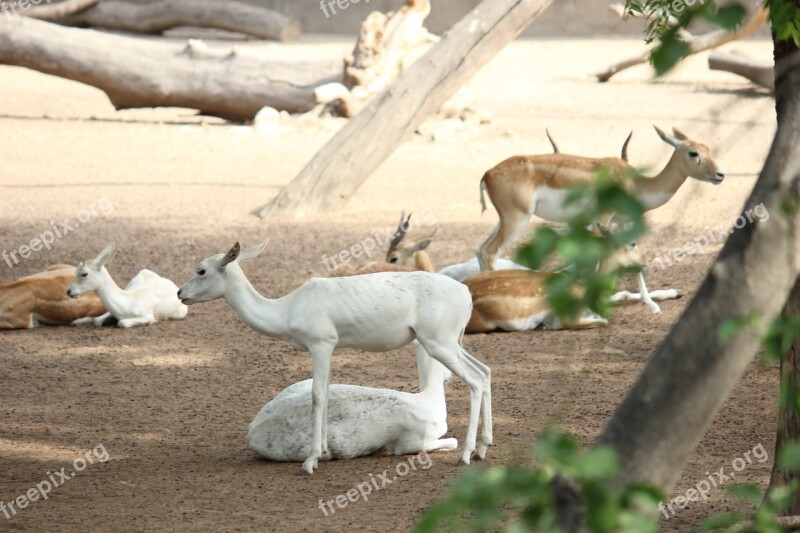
pixel 106 255
pixel 672 141
pixel 230 257
pixel 679 134
pixel 252 252
pixel 421 245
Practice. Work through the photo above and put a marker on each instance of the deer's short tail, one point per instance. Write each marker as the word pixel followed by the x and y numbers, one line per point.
pixel 483 189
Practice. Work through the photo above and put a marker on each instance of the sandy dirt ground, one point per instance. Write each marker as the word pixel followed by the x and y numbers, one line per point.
pixel 171 402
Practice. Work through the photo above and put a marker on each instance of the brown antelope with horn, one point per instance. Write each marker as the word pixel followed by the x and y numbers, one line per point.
pixel 42 299
pixel 523 186
pixel 406 255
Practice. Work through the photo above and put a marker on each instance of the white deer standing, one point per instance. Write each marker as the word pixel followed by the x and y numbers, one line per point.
pixel 376 312
pixel 362 420
pixel 147 299
pixel 523 186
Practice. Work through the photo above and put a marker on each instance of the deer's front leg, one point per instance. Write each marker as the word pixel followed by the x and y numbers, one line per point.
pixel 646 294
pixel 321 371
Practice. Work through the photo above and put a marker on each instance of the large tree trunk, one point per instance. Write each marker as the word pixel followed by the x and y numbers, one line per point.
pixel 159 16
pixel 334 174
pixel 692 372
pixel 788 416
pixel 141 73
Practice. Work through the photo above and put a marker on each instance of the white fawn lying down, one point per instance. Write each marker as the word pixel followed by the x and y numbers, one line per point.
pixel 376 312
pixel 42 299
pixel 523 186
pixel 361 420
pixel 147 299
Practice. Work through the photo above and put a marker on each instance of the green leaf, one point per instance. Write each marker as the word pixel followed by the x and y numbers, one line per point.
pixel 721 521
pixel 789 456
pixel 726 17
pixel 747 492
pixel 598 463
pixel 668 54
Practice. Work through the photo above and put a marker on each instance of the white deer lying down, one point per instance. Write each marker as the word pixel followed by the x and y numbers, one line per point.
pixel 42 299
pixel 361 420
pixel 147 299
pixel 377 313
pixel 406 255
pixel 523 186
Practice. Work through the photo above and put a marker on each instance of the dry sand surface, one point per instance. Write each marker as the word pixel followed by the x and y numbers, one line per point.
pixel 171 402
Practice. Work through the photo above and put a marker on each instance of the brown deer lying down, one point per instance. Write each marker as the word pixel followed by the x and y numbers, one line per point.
pixel 42 299
pixel 515 300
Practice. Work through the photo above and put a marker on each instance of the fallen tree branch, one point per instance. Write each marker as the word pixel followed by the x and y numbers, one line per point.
pixel 329 180
pixel 697 43
pixel 59 10
pixel 141 73
pixel 165 14
pixel 759 72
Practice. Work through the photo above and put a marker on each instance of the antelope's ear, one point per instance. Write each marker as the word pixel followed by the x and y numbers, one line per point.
pixel 106 255
pixel 230 257
pixel 252 252
pixel 672 141
pixel 421 245
pixel 679 134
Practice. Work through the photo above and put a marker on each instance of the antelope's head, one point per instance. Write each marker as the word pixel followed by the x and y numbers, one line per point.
pixel 402 253
pixel 693 158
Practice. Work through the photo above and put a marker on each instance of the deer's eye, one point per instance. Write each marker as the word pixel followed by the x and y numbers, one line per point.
pixel 201 272
pixel 693 153
pixel 84 274
pixel 393 259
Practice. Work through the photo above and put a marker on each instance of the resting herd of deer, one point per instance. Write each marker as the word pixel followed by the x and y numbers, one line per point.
pixel 377 307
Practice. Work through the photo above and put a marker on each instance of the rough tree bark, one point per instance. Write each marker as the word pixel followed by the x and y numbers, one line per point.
pixel 697 43
pixel 159 16
pixel 141 73
pixel 788 417
pixel 692 372
pixel 786 54
pixel 334 174
pixel 387 44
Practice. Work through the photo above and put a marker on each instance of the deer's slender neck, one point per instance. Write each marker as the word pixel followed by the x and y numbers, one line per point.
pixel 113 297
pixel 423 261
pixel 664 184
pixel 261 314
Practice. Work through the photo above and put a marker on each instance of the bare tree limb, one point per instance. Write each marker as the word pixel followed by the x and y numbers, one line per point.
pixel 759 72
pixel 697 43
pixel 59 10
pixel 165 14
pixel 141 73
